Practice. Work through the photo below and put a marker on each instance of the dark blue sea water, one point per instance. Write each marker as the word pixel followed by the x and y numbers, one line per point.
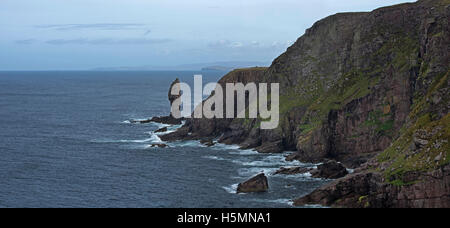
pixel 65 142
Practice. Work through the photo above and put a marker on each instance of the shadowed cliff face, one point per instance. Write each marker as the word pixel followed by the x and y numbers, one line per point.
pixel 412 169
pixel 360 88
pixel 366 89
pixel 347 85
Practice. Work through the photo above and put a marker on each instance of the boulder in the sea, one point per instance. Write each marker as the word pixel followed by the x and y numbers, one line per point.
pixel 330 170
pixel 258 183
pixel 164 129
pixel 292 170
pixel 159 146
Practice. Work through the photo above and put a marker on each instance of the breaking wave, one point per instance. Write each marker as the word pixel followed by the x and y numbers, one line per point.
pixel 231 189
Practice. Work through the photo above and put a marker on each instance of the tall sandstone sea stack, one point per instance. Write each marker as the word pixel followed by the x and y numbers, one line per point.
pixel 370 90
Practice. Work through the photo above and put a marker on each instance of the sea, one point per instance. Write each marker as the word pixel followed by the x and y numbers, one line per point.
pixel 66 140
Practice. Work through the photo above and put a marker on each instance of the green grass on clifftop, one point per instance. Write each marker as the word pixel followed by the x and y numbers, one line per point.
pixel 405 156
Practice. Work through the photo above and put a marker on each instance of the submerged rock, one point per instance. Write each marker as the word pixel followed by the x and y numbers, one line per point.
pixel 258 183
pixel 159 145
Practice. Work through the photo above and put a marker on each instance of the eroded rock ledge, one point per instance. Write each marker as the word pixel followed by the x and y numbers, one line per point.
pixel 327 170
pixel 369 189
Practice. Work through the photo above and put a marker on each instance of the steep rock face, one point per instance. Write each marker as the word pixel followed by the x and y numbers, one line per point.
pixel 413 170
pixel 347 85
pixel 366 89
pixel 212 128
pixel 366 189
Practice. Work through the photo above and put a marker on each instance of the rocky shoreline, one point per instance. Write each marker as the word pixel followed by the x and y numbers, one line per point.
pixel 367 90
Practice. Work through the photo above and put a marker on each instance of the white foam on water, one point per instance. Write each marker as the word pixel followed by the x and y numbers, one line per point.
pixel 104 141
pixel 155 138
pixel 170 128
pixel 133 121
pixel 190 143
pixel 298 177
pixel 245 152
pixel 231 189
pixel 253 171
pixel 269 161
pixel 220 146
pixel 215 158
pixel 121 140
pixel 277 201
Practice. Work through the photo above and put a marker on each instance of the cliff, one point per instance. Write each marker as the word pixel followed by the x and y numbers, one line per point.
pixel 366 89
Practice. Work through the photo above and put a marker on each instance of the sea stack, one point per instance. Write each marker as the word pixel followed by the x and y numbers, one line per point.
pixel 172 97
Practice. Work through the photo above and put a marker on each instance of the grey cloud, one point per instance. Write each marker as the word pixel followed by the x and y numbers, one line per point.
pixel 98 26
pixel 107 41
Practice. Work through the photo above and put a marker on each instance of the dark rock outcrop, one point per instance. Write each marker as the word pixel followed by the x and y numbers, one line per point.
pixel 162 120
pixel 329 170
pixel 162 130
pixel 258 183
pixel 166 120
pixel 367 189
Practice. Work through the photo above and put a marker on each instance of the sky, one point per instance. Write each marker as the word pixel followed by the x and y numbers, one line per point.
pixel 87 34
